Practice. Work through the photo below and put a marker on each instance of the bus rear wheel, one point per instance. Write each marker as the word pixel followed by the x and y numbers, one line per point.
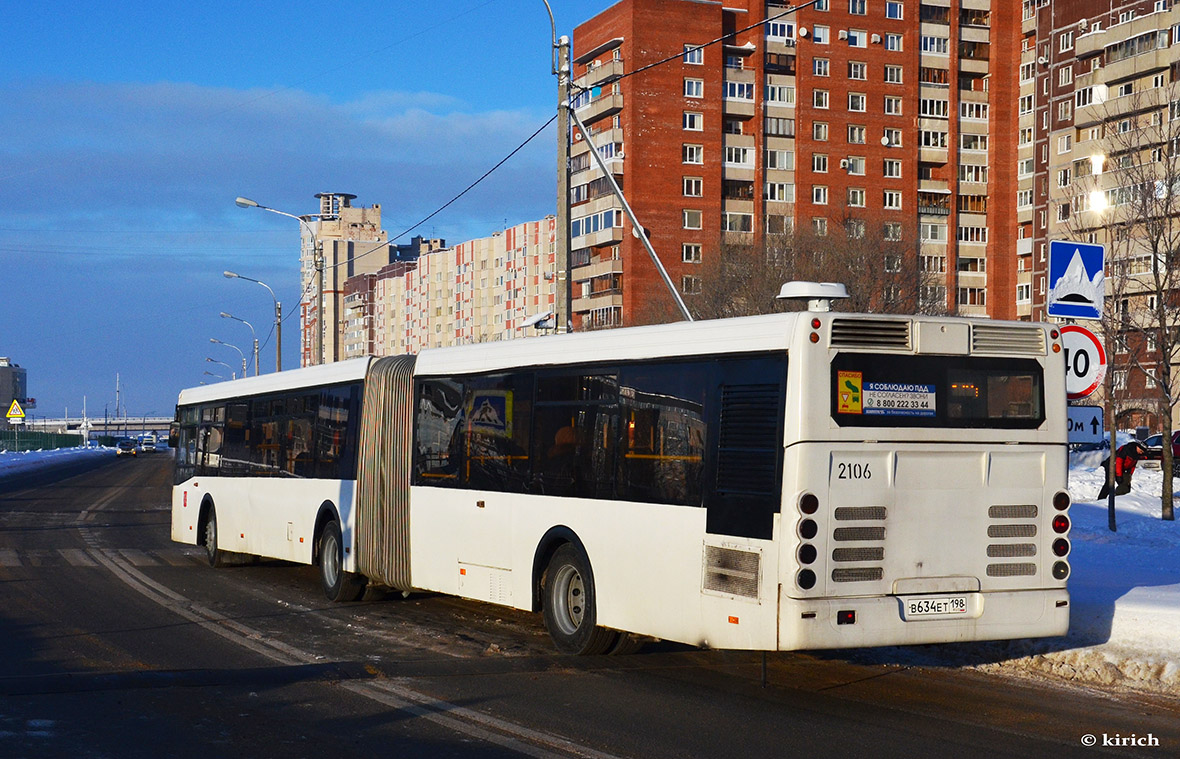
pixel 338 584
pixel 568 606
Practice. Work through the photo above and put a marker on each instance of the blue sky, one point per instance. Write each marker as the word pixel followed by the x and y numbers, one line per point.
pixel 129 130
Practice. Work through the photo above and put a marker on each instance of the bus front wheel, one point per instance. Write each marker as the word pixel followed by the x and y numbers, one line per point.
pixel 569 605
pixel 215 555
pixel 338 584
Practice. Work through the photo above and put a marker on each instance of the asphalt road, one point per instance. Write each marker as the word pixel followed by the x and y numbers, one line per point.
pixel 118 643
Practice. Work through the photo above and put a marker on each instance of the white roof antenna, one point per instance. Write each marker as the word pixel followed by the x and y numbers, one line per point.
pixel 819 295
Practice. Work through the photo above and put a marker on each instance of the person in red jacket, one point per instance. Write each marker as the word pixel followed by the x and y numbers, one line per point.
pixel 1125 459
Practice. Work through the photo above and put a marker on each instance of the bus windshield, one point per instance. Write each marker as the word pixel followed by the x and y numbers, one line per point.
pixel 881 390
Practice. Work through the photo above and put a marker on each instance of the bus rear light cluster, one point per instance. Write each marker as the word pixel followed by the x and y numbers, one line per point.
pixel 1060 547
pixel 1060 570
pixel 1061 500
pixel 1061 524
pixel 807 529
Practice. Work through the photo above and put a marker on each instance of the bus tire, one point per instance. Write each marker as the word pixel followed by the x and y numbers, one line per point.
pixel 216 557
pixel 568 605
pixel 338 584
pixel 626 645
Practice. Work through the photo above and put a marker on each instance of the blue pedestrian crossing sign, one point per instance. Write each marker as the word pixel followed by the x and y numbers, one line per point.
pixel 1077 280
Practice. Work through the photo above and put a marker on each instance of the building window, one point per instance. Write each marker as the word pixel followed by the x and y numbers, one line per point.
pixel 739 90
pixel 892 105
pixel 780 127
pixel 820 66
pixel 893 200
pixel 893 74
pixel 855 165
pixel 855 229
pixel 739 157
pixel 933 108
pixel 856 197
pixel 819 98
pixel 819 131
pixel 694 55
pixel 780 159
pixel 732 126
pixel 780 191
pixel 692 219
pixel 856 134
pixel 694 122
pixel 969 172
pixel 780 94
pixel 692 187
pixel 819 195
pixel 893 42
pixel 932 232
pixel 892 233
pixel 690 285
pixel 857 7
pixel 778 224
pixel 819 163
pixel 892 168
pixel 857 101
pixel 821 34
pixel 694 154
pixel 859 71
pixel 690 253
pixel 858 38
pixel 694 88
pixel 737 222
pixel 934 45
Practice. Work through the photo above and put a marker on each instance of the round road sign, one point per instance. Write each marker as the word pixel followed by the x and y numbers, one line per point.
pixel 1085 361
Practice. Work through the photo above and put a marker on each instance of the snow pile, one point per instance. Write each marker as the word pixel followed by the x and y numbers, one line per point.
pixel 12 462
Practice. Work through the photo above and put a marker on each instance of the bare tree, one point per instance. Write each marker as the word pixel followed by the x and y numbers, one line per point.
pixel 1131 191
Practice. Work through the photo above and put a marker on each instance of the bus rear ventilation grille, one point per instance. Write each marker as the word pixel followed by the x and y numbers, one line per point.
pixel 1012 531
pixel 857 513
pixel 1013 511
pixel 859 554
pixel 1011 570
pixel 987 338
pixel 857 574
pixel 859 533
pixel 870 333
pixel 728 570
pixel 1011 550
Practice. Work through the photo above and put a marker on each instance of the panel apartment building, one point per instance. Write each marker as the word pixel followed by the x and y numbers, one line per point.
pixel 825 118
pixel 480 290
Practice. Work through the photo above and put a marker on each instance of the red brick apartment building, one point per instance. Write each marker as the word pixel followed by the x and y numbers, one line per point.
pixel 829 117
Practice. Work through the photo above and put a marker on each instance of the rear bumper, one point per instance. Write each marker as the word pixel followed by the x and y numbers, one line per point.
pixel 881 622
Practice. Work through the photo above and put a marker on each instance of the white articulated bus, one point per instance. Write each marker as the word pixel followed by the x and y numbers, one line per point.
pixel 794 481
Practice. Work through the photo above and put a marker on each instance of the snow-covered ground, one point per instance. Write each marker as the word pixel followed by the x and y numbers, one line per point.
pixel 1125 589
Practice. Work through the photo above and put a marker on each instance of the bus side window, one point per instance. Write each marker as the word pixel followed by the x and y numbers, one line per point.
pixel 497 421
pixel 574 439
pixel 438 433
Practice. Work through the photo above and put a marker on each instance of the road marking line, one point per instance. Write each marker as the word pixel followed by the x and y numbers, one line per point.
pixel 451 716
pixel 77 557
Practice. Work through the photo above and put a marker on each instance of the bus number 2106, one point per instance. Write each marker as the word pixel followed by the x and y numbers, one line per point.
pixel 846 471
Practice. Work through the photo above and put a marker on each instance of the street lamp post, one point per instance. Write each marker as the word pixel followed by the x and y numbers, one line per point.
pixel 232 374
pixel 317 263
pixel 278 317
pixel 253 335
pixel 230 345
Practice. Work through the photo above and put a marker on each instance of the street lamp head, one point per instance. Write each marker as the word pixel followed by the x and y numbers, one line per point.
pixel 245 203
pixel 224 315
pixel 230 275
pixel 214 340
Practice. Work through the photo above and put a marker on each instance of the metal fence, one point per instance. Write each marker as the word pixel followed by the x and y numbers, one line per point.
pixel 23 440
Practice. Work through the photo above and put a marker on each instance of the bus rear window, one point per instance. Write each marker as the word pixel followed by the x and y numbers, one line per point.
pixel 880 390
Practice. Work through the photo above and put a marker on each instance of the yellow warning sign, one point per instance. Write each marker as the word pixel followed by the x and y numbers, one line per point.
pixel 848 393
pixel 15 411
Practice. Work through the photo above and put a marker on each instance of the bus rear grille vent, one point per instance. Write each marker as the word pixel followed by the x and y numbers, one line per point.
pixel 858 554
pixel 1012 531
pixel 1020 511
pixel 728 570
pixel 1011 550
pixel 870 333
pixel 857 574
pixel 1011 570
pixel 987 338
pixel 859 533
pixel 749 440
pixel 856 513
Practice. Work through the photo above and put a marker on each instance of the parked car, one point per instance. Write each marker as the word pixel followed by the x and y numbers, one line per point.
pixel 126 447
pixel 1155 447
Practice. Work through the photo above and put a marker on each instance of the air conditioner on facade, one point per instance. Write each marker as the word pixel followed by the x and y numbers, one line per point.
pixel 843 34
pixel 844 163
pixel 877 39
pixel 1043 61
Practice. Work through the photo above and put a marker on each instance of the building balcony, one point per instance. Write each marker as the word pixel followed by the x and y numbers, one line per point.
pixel 1137 65
pixel 599 269
pixel 742 108
pixel 973 65
pixel 974 34
pixel 600 108
pixel 603 74
pixel 606 236
pixel 599 300
pixel 1024 246
pixel 932 155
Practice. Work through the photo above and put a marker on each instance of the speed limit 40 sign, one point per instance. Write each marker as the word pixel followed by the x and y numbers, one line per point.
pixel 1085 361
